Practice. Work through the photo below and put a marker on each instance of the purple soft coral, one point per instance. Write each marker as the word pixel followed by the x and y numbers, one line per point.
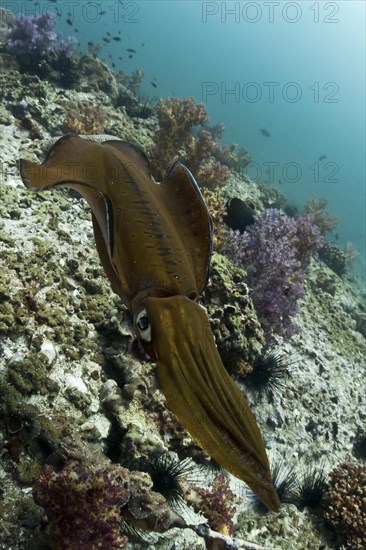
pixel 35 36
pixel 275 251
pixel 83 506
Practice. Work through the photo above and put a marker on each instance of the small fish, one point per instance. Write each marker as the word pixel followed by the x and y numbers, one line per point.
pixel 90 43
pixel 130 56
pixel 265 132
pixel 108 33
pixel 322 157
pixel 76 30
pixel 131 50
pixel 103 12
pixel 280 182
pixel 153 84
pixel 105 40
pixel 69 22
pixel 336 237
pixel 117 38
pixel 113 65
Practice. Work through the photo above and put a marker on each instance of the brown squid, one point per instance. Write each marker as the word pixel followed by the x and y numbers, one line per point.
pixel 155 243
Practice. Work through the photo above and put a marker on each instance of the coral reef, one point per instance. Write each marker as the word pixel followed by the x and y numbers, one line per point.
pixel 234 156
pixel 83 506
pixel 176 119
pixel 217 210
pixel 216 502
pixel 316 207
pixel 271 197
pixel 334 258
pixel 89 121
pixel 238 334
pixel 35 36
pixel 276 251
pixel 68 339
pixel 346 506
pixel 40 49
pixel 175 140
pixel 87 499
pixel 7 20
pixel 351 254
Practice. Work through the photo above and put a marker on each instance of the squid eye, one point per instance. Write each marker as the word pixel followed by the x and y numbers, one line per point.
pixel 143 326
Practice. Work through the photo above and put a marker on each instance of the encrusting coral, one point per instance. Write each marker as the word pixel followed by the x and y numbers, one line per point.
pixel 334 258
pixel 238 333
pixel 346 506
pixel 89 121
pixel 217 211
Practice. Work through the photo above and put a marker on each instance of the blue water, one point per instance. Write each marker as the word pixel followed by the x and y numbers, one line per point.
pixel 295 69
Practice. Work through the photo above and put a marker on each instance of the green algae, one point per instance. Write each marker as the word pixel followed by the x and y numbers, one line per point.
pixel 25 376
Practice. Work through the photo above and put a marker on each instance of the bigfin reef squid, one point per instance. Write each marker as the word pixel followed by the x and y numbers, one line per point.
pixel 155 243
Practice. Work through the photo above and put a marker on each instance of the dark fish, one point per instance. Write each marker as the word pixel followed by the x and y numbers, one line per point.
pixel 265 132
pixel 322 157
pixel 76 30
pixel 131 50
pixel 130 56
pixel 113 65
pixel 117 38
pixel 239 214
pixel 90 43
pixel 105 40
pixel 153 84
pixel 103 12
pixel 108 33
pixel 69 22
